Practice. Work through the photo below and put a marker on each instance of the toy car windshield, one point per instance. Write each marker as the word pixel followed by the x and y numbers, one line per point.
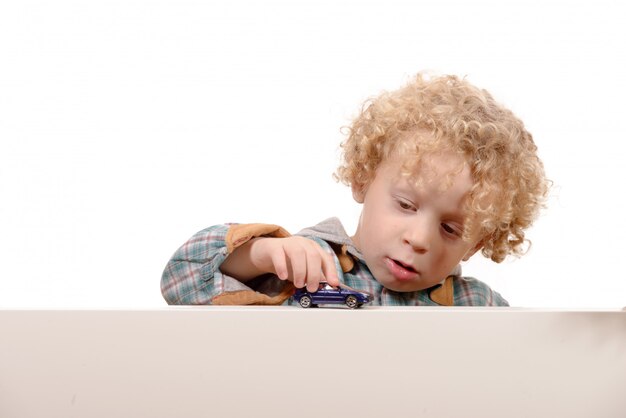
pixel 327 294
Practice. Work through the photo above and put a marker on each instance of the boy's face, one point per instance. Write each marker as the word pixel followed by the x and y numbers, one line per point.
pixel 410 234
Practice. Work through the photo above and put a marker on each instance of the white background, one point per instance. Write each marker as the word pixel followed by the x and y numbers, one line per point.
pixel 127 126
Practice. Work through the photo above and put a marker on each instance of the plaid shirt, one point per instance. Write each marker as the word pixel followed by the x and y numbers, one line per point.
pixel 193 276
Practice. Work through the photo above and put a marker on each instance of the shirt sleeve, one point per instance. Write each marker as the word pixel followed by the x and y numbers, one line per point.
pixel 192 276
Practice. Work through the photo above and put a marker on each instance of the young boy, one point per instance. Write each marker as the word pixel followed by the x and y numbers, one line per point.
pixel 442 171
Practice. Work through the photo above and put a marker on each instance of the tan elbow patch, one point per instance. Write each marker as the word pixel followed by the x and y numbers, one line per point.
pixel 238 235
pixel 250 297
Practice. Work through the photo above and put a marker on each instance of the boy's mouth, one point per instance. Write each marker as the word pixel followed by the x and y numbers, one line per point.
pixel 406 266
pixel 400 270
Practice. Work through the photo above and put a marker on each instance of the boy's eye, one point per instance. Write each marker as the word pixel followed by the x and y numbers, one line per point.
pixel 449 229
pixel 405 205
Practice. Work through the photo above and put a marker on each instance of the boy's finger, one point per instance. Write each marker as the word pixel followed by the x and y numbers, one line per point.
pixel 314 270
pixel 330 270
pixel 279 261
pixel 297 261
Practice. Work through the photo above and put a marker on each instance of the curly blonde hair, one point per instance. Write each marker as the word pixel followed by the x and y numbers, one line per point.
pixel 510 186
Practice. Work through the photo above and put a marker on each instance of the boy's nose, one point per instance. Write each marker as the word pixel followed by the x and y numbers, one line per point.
pixel 419 237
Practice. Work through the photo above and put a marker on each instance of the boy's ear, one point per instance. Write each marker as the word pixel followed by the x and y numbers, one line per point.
pixel 473 250
pixel 358 193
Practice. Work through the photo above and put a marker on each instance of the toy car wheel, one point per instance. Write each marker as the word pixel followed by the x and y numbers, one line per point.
pixel 305 301
pixel 351 302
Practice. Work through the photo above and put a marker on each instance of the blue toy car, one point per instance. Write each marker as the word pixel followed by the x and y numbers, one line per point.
pixel 333 295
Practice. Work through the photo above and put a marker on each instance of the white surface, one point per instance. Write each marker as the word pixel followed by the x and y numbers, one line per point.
pixel 127 126
pixel 284 362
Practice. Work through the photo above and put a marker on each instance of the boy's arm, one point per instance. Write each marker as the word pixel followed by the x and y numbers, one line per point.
pixel 239 264
pixel 214 265
pixel 193 277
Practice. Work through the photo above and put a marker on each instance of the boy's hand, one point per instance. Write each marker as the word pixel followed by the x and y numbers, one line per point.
pixel 297 259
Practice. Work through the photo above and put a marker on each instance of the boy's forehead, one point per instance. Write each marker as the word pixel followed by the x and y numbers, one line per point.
pixel 422 145
pixel 444 166
pixel 417 139
pixel 436 175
